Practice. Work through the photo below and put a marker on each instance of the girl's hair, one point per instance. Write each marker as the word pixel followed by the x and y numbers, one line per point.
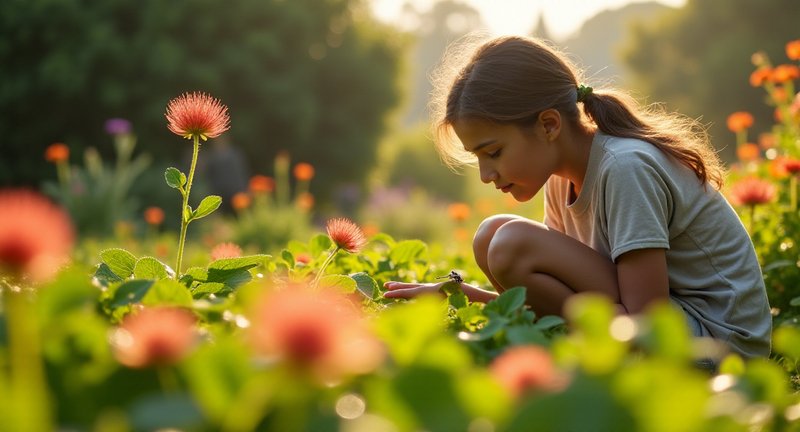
pixel 512 79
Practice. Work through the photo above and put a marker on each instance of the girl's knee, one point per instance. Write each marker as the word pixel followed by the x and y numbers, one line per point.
pixel 514 246
pixel 486 230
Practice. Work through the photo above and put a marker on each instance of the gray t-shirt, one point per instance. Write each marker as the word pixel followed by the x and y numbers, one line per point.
pixel 636 197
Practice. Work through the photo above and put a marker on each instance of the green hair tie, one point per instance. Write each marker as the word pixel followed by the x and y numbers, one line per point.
pixel 583 92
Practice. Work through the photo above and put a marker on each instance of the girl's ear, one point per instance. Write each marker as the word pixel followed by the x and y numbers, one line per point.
pixel 550 119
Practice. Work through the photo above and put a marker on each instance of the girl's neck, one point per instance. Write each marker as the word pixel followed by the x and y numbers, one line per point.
pixel 576 145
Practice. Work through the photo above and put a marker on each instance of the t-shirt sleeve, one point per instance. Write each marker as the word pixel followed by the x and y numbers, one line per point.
pixel 552 212
pixel 637 205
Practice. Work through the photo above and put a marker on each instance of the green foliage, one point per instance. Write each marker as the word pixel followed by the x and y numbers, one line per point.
pixel 97 195
pixel 311 76
pixel 697 59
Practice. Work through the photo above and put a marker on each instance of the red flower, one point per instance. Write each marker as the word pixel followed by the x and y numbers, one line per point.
pixel 225 250
pixel 785 72
pixel 752 191
pixel 154 215
pixel 197 115
pixel 792 166
pixel 740 121
pixel 154 336
pixel 346 234
pixel 760 76
pixel 56 152
pixel 524 368
pixel 320 331
pixel 36 236
pixel 240 201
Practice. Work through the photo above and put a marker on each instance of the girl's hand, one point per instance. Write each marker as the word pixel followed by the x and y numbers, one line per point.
pixel 409 290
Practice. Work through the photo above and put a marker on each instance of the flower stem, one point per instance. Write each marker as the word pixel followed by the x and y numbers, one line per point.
pixel 328 260
pixel 185 208
pixel 793 192
pixel 27 381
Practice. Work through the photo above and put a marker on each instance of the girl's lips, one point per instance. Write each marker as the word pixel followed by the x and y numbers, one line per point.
pixel 506 188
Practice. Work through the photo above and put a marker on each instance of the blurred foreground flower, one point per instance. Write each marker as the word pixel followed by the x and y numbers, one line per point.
pixel 197 115
pixel 261 184
pixel 346 234
pixel 304 171
pixel 154 337
pixel 527 368
pixel 317 331
pixel 57 152
pixel 36 236
pixel 225 250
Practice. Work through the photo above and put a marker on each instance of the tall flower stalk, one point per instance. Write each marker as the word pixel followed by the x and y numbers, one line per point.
pixel 193 116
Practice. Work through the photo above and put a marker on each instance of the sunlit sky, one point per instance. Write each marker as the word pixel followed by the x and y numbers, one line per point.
pixel 563 17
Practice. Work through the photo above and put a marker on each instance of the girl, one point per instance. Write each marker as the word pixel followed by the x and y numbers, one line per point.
pixel 632 202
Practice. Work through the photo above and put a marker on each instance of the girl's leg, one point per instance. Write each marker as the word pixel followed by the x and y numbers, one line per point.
pixel 514 251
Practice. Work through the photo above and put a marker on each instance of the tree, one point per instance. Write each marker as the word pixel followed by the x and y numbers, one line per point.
pixel 697 59
pixel 313 77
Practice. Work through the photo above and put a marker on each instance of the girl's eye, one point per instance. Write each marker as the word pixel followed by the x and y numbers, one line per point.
pixel 494 154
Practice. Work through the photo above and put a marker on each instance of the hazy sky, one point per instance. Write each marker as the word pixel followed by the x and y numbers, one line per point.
pixel 563 17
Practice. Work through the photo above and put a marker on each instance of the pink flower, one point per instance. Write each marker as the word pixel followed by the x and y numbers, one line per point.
pixel 318 331
pixel 197 115
pixel 346 234
pixel 752 191
pixel 526 368
pixel 36 236
pixel 154 336
pixel 225 250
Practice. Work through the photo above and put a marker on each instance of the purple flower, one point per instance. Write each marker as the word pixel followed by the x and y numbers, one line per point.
pixel 118 126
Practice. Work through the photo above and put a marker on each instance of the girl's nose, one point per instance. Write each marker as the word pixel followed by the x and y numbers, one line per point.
pixel 488 174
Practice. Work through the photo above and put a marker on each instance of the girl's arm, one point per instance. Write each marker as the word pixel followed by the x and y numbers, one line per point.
pixel 413 289
pixel 642 278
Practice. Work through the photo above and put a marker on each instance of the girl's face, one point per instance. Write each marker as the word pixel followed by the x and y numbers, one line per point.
pixel 517 161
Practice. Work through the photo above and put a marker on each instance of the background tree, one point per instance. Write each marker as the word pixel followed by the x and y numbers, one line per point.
pixel 697 59
pixel 313 77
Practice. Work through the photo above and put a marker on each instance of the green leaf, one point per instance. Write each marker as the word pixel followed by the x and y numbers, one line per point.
pixel 549 321
pixel 149 268
pixel 319 244
pixel 204 289
pixel 525 334
pixel 795 301
pixel 207 206
pixel 344 283
pixel 407 251
pixel 167 292
pixel 120 261
pixel 508 302
pixel 366 285
pixel 105 276
pixel 240 263
pixel 287 256
pixel 131 292
pixel 175 179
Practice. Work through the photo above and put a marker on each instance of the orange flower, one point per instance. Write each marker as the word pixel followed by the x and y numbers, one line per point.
pixel 766 140
pixel 459 212
pixel 305 201
pixel 740 121
pixel 154 216
pixel 154 336
pixel 56 152
pixel 346 234
pixel 319 331
pixel 197 115
pixel 748 152
pixel 525 368
pixel 370 229
pixel 785 72
pixel 752 191
pixel 261 184
pixel 777 168
pixel 240 201
pixel 36 236
pixel 225 250
pixel 793 49
pixel 760 76
pixel 303 171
